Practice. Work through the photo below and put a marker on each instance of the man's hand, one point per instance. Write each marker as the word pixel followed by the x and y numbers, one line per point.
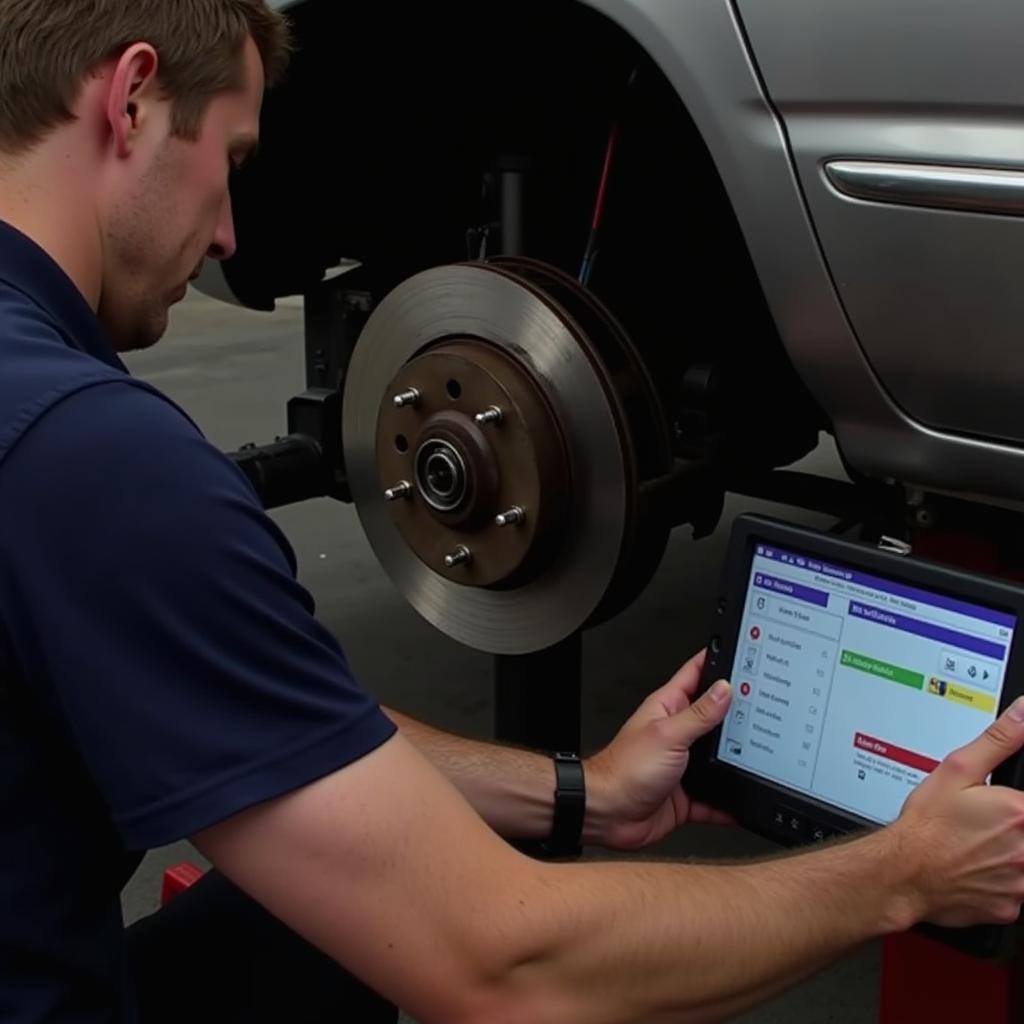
pixel 633 792
pixel 963 840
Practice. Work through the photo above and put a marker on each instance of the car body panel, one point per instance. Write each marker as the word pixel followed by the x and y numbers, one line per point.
pixel 934 294
pixel 702 49
pixel 901 321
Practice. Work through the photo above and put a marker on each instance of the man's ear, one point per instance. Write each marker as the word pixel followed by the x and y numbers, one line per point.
pixel 133 89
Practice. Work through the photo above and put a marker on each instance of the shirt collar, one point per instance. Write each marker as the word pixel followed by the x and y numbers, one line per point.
pixel 26 267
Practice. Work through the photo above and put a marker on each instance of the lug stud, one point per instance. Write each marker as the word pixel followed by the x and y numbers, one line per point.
pixel 491 415
pixel 460 556
pixel 410 397
pixel 510 517
pixel 403 489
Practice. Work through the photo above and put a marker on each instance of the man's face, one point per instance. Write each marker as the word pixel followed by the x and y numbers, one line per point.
pixel 170 208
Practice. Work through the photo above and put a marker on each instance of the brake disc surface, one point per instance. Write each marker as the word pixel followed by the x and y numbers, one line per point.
pixel 464 339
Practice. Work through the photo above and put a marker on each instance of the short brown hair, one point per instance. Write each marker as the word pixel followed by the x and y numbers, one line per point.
pixel 48 47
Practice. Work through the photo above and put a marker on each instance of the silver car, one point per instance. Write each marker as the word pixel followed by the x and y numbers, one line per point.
pixel 576 270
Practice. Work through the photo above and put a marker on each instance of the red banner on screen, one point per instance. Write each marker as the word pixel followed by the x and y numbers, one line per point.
pixel 883 748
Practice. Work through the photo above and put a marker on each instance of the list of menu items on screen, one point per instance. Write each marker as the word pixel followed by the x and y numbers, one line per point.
pixel 831 668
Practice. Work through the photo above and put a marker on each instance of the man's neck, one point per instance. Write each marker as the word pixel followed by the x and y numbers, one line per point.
pixel 41 195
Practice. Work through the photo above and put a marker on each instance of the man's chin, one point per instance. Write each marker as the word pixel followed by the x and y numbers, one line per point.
pixel 143 336
pixel 134 327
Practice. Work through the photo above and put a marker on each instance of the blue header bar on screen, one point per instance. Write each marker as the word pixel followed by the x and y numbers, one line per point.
pixel 888 586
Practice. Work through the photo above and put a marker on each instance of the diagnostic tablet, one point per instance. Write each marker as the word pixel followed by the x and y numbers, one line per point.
pixel 855 671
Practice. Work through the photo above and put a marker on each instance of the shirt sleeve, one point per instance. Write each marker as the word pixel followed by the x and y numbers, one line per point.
pixel 154 607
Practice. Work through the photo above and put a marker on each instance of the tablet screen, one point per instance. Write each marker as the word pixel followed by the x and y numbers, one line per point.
pixel 850 688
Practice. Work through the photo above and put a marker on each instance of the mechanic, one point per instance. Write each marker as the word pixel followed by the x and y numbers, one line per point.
pixel 164 677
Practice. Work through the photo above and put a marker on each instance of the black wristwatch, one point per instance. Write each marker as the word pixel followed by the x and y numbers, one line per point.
pixel 566 839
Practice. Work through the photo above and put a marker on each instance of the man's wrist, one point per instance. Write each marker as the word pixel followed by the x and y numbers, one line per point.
pixel 879 866
pixel 598 818
pixel 901 872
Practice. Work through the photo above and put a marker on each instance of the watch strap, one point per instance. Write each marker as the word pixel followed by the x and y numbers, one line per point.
pixel 566 839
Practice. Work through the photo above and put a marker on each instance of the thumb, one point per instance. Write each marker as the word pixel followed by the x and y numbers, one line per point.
pixel 702 715
pixel 979 758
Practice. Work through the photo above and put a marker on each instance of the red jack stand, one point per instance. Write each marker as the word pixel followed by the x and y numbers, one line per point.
pixel 177 879
pixel 923 980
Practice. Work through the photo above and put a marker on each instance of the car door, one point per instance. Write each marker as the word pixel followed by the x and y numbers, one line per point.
pixel 906 127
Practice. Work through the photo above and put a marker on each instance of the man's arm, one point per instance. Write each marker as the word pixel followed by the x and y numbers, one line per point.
pixel 511 789
pixel 633 792
pixel 386 867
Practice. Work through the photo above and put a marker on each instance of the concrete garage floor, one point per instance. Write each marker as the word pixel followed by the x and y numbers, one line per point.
pixel 233 371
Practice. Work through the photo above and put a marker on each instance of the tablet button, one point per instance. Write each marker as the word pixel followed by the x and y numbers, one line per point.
pixel 819 833
pixel 716 645
pixel 794 825
pixel 788 823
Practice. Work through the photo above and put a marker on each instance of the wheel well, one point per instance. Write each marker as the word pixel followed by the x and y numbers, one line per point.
pixel 381 143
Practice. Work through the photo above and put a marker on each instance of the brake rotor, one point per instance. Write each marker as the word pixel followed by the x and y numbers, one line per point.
pixel 490 443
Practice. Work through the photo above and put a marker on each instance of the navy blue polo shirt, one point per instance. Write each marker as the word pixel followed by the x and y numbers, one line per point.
pixel 160 666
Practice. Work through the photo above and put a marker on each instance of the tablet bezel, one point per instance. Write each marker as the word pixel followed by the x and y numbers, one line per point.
pixel 769 808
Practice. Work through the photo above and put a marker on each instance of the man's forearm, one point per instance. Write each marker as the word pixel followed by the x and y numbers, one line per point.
pixel 688 918
pixel 385 867
pixel 511 789
pixel 659 943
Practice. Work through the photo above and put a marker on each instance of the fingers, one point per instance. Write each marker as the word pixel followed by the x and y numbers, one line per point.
pixel 677 692
pixel 686 727
pixel 975 761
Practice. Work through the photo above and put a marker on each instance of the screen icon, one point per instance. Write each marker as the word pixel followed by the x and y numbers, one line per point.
pixel 750 660
pixel 755 633
pixel 745 689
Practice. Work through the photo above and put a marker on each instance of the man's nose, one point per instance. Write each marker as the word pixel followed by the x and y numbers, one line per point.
pixel 224 242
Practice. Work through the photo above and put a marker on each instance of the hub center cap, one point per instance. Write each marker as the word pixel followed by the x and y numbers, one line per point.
pixel 441 475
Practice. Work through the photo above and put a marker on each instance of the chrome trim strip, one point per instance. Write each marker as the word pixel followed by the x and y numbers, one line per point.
pixel 975 189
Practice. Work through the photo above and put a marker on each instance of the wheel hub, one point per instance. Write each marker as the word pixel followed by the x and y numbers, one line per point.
pixel 478 442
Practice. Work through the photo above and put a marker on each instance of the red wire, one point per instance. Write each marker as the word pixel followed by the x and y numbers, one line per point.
pixel 602 190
